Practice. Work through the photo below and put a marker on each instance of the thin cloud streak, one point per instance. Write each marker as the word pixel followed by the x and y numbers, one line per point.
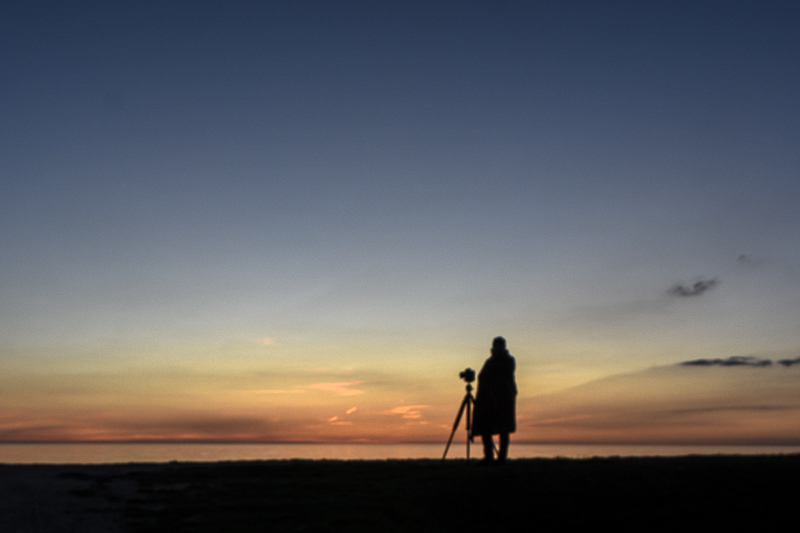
pixel 409 411
pixel 752 261
pixel 736 360
pixel 679 404
pixel 735 408
pixel 339 388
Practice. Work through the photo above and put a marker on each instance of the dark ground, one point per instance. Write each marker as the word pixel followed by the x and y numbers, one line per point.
pixel 652 494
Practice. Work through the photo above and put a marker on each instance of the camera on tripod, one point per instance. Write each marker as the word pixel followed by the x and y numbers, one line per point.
pixel 467 375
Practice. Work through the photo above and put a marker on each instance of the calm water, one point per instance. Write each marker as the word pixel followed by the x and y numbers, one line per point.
pixel 126 453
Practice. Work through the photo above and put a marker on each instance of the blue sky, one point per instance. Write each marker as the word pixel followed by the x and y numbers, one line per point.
pixel 279 195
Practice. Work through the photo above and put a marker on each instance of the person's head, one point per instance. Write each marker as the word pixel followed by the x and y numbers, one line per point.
pixel 499 345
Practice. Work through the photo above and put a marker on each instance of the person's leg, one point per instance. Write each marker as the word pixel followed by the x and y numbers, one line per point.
pixel 488 447
pixel 503 452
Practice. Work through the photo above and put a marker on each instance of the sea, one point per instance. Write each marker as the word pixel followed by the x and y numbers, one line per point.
pixel 107 453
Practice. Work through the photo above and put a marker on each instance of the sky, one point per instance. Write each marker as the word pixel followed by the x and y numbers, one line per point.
pixel 299 221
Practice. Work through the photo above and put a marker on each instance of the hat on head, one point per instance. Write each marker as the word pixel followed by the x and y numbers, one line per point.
pixel 499 343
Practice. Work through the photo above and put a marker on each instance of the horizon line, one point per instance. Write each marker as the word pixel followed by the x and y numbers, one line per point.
pixel 401 443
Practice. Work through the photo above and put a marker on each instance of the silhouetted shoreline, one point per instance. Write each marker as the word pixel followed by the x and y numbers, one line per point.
pixel 647 493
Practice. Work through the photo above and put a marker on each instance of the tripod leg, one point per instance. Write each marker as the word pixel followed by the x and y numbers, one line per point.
pixel 468 401
pixel 455 426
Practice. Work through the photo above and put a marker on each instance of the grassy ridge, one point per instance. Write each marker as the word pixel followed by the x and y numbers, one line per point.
pixel 667 494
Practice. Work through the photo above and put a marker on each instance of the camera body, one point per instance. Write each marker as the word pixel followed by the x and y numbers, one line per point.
pixel 467 375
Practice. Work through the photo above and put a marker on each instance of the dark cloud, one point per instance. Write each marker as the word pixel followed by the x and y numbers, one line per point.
pixel 789 362
pixel 698 288
pixel 736 360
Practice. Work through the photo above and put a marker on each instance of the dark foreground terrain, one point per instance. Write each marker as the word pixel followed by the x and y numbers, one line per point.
pixel 663 494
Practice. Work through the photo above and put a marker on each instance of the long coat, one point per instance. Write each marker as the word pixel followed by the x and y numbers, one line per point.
pixel 495 404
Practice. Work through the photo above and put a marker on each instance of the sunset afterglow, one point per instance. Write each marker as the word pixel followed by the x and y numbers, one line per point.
pixel 298 222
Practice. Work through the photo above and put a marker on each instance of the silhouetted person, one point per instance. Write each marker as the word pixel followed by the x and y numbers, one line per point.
pixel 495 404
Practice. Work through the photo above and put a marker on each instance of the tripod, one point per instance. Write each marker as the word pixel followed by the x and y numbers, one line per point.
pixel 468 402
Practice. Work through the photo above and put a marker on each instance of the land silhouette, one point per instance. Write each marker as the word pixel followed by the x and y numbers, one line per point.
pixel 655 494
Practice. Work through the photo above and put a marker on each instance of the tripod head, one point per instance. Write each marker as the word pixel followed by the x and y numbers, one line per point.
pixel 467 375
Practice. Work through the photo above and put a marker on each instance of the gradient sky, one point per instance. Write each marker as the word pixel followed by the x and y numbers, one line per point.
pixel 279 221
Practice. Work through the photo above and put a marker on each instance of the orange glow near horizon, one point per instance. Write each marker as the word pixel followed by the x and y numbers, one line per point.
pixel 679 405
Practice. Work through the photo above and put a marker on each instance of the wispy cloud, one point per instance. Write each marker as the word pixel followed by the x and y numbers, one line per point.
pixel 561 420
pixel 339 388
pixel 160 427
pixel 704 401
pixel 753 261
pixel 409 411
pixel 736 360
pixel 696 289
pixel 334 420
pixel 736 408
pixel 265 341
pixel 279 391
pixel 332 370
pixel 777 265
